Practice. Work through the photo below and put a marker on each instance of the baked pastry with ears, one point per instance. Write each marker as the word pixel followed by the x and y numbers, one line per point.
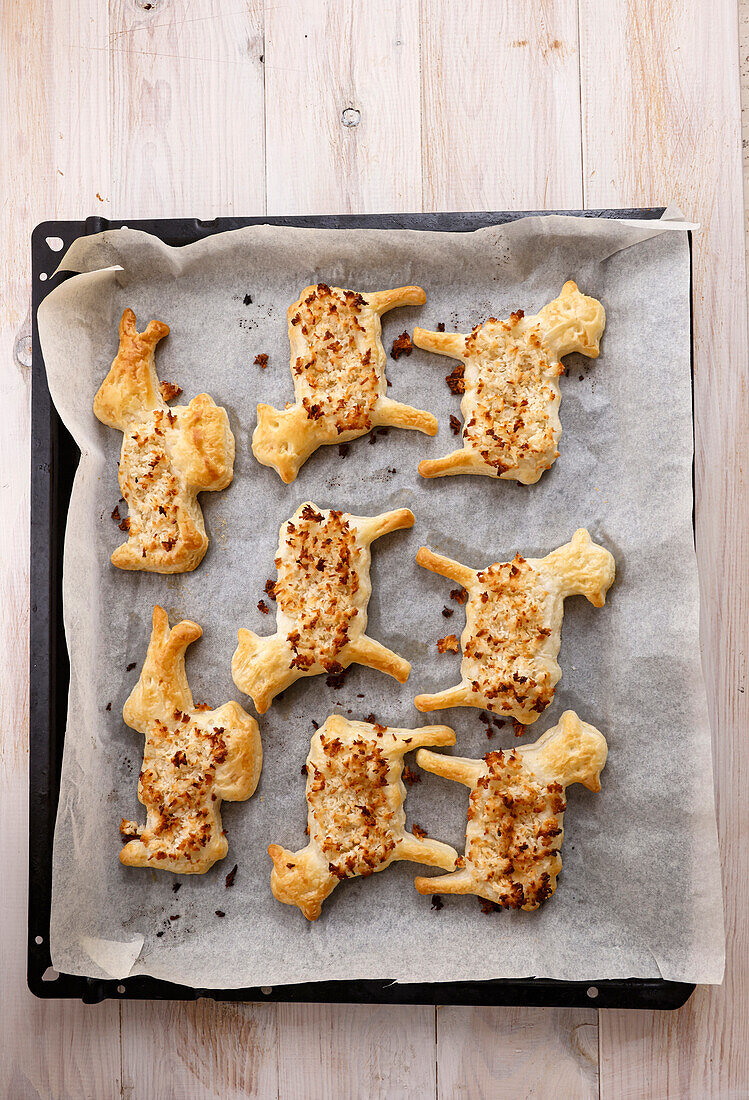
pixel 513 626
pixel 338 367
pixel 193 758
pixel 168 456
pixel 356 820
pixel 515 813
pixel 508 376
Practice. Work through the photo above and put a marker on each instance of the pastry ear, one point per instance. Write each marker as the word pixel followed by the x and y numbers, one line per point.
pixel 573 322
pixel 584 567
pixel 162 685
pixel 131 387
pixel 570 752
pixel 296 879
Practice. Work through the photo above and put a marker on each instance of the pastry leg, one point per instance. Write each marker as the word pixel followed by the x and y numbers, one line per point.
pixel 380 301
pixel 370 528
pixel 452 344
pixel 366 651
pixel 459 882
pixel 456 768
pixel 432 852
pixel 450 697
pixel 458 462
pixel 393 414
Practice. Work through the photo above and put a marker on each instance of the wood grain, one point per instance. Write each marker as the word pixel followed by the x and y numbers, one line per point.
pixel 324 59
pixel 199 1050
pixel 483 95
pixel 513 1052
pixel 650 136
pixel 187 108
pixel 55 142
pixel 501 105
pixel 361 1052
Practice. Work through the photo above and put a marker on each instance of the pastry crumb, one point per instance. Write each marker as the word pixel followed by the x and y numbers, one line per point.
pixel 401 346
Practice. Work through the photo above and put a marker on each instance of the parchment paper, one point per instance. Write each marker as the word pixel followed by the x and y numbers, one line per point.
pixel 640 893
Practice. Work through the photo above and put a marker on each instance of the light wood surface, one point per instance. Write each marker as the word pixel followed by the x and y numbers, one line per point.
pixel 167 107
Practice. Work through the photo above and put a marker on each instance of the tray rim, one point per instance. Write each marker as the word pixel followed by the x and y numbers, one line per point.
pixel 51 448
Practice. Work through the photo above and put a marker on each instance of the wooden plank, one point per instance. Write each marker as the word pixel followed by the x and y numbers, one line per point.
pixel 322 60
pixel 501 130
pixel 187 108
pixel 361 1052
pixel 188 140
pixel 744 77
pixel 200 1050
pixel 506 1053
pixel 649 136
pixel 55 145
pixel 501 105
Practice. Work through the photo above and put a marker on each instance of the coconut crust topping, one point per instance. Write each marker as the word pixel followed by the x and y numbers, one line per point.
pixel 510 627
pixel 351 816
pixel 513 849
pixel 318 584
pixel 338 372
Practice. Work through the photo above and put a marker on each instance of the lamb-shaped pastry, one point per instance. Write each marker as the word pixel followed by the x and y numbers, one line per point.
pixel 515 811
pixel 338 367
pixel 514 625
pixel 356 820
pixel 168 456
pixel 322 593
pixel 510 386
pixel 193 758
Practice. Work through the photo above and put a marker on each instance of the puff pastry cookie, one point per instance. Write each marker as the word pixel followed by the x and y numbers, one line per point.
pixel 193 759
pixel 356 820
pixel 514 623
pixel 515 813
pixel 338 367
pixel 168 456
pixel 322 593
pixel 511 394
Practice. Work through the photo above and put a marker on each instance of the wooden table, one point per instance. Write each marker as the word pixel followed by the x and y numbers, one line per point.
pixel 173 107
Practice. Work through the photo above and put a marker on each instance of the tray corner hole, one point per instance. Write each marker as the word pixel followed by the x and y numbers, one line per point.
pixel 55 243
pixel 50 975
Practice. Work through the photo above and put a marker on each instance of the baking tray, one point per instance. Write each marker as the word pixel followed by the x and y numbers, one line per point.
pixel 54 459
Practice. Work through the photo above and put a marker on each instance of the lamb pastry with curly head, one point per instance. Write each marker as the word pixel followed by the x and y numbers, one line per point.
pixel 338 367
pixel 513 625
pixel 508 376
pixel 321 594
pixel 356 820
pixel 515 813
pixel 168 456
pixel 193 758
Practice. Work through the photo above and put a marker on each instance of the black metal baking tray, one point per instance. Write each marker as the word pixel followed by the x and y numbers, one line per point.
pixel 54 458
